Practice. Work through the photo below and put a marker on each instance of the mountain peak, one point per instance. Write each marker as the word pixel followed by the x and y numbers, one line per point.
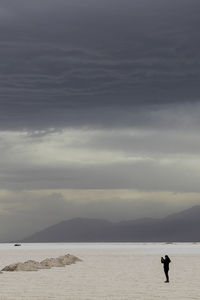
pixel 181 227
pixel 190 213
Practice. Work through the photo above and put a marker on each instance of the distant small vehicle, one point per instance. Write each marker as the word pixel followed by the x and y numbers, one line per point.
pixel 17 245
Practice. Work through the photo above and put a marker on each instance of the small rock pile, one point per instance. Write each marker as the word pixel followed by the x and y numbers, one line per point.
pixel 48 263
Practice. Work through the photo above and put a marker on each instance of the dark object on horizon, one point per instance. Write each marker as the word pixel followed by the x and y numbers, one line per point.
pixel 17 245
pixel 166 263
pixel 180 227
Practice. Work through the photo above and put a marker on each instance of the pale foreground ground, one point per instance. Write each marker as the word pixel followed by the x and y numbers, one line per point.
pixel 108 271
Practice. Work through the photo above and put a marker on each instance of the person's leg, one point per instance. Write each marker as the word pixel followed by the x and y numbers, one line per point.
pixel 166 274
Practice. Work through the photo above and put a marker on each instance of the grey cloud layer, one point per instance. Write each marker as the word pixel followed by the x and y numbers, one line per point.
pixel 171 177
pixel 60 62
pixel 81 159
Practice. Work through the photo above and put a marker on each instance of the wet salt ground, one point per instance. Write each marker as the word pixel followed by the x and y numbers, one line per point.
pixel 108 271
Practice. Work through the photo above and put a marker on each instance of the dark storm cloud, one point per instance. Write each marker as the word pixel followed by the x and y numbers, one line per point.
pixel 69 63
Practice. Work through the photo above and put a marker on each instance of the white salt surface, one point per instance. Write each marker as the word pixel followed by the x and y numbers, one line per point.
pixel 108 272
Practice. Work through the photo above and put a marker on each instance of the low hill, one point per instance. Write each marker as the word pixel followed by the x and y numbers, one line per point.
pixel 180 227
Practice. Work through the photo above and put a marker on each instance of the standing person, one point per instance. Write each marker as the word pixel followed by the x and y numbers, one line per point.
pixel 166 263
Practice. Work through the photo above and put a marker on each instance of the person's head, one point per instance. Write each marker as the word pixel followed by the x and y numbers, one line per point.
pixel 166 256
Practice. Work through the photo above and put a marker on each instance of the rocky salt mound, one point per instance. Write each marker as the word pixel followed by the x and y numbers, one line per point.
pixel 47 263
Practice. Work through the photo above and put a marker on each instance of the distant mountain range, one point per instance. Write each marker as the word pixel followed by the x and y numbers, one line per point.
pixel 179 227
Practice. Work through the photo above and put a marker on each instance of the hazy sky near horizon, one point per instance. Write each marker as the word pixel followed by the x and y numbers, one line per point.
pixel 99 110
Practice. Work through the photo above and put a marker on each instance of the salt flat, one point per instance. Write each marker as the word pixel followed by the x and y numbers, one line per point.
pixel 108 271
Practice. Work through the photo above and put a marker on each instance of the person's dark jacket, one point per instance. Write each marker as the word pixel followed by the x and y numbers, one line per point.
pixel 165 262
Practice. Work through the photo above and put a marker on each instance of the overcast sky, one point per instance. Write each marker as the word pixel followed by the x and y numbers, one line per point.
pixel 99 110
